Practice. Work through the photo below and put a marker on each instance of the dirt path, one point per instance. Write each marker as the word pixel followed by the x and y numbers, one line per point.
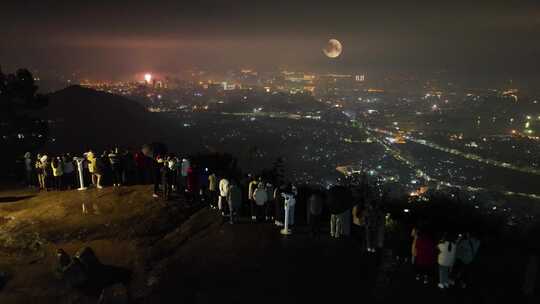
pixel 248 262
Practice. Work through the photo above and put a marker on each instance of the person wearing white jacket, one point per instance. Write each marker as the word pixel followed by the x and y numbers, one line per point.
pixel 446 258
pixel 223 193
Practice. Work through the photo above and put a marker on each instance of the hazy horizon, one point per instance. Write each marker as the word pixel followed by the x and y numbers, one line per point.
pixel 104 39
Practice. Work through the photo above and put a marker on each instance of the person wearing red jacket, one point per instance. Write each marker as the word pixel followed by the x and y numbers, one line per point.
pixel 140 167
pixel 426 256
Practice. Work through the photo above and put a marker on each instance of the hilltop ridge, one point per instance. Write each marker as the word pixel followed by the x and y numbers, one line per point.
pixel 90 118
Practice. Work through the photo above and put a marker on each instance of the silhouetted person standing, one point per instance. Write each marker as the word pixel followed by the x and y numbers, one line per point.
pixel 58 172
pixel 116 167
pixel 261 197
pixel 213 190
pixel 29 169
pixel 235 201
pixel 315 212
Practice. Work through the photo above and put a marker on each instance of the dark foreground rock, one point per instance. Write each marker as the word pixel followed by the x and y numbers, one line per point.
pixel 115 294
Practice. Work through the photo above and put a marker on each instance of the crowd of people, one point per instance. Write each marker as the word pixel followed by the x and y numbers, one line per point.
pixel 453 256
pixel 170 175
pixel 60 172
pixel 50 172
pixel 111 168
pixel 265 199
pixel 261 198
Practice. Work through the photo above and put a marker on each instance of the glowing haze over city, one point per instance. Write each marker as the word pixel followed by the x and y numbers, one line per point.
pixel 267 151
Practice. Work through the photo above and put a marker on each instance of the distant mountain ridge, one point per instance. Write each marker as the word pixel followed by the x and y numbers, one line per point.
pixel 82 118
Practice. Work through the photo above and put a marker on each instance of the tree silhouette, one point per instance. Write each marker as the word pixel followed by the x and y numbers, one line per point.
pixel 20 130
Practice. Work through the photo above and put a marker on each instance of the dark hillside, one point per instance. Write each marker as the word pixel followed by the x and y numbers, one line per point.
pixel 80 116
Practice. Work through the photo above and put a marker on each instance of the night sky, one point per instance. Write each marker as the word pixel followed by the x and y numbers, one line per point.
pixel 116 38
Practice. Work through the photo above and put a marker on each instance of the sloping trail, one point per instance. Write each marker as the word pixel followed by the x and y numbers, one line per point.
pixel 246 262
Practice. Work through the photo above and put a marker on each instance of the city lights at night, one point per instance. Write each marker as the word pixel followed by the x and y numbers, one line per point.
pixel 269 151
pixel 148 77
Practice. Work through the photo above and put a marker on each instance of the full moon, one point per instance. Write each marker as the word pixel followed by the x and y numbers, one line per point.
pixel 333 48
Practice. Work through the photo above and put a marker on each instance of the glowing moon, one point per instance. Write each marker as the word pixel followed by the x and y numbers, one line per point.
pixel 333 48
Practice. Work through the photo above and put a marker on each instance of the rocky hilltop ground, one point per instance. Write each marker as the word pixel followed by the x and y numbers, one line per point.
pixel 178 252
pixel 125 227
